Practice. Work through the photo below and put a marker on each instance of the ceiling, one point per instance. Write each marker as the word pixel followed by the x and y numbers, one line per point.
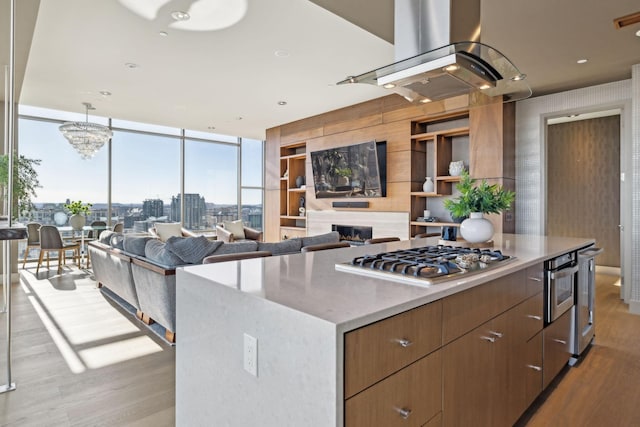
pixel 285 50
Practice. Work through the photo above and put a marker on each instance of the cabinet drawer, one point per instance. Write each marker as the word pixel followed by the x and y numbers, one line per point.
pixel 535 279
pixel 533 369
pixel 466 310
pixel 410 397
pixel 376 351
pixel 556 347
pixel 531 316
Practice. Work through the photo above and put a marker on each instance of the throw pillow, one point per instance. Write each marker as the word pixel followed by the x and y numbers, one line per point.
pixel 135 244
pixel 191 250
pixel 234 227
pixel 156 252
pixel 164 230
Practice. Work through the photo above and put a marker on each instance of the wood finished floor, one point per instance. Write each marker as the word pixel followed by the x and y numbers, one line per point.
pixel 604 389
pixel 80 360
pixel 114 372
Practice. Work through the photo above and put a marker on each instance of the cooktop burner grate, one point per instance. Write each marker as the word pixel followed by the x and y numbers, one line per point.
pixel 425 264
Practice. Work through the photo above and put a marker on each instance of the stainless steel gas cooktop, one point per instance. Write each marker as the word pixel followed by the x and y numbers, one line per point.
pixel 426 265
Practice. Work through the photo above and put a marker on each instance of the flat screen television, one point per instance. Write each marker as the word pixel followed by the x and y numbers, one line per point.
pixel 358 170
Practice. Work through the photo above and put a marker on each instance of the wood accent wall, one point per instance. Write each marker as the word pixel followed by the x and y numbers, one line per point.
pixel 384 119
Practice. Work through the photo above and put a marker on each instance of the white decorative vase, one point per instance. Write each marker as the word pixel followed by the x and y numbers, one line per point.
pixel 427 187
pixel 476 228
pixel 77 221
pixel 456 168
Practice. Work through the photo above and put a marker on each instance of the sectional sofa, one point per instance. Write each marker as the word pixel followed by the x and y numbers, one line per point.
pixel 142 269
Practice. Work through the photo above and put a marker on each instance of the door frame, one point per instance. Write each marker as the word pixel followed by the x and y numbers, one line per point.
pixel 625 142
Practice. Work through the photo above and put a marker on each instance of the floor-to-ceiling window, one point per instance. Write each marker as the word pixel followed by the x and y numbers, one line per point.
pixel 210 180
pixel 145 179
pixel 145 175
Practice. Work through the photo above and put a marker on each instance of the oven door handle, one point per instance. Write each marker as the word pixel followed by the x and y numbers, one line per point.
pixel 563 273
pixel 590 252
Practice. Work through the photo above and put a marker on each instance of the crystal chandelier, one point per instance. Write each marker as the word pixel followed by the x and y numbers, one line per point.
pixel 87 138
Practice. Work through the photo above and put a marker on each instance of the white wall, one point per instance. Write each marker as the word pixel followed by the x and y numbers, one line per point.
pixel 531 116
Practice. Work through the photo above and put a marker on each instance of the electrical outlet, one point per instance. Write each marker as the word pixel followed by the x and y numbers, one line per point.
pixel 250 357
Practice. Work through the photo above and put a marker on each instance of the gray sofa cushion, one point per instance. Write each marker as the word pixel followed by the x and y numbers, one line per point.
pixel 332 237
pixel 156 252
pixel 117 241
pixel 191 250
pixel 281 248
pixel 136 244
pixel 105 237
pixel 236 247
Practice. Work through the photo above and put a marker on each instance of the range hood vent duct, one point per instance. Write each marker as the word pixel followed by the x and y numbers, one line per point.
pixel 436 60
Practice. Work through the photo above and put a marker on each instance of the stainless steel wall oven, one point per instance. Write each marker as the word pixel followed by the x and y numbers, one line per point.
pixel 560 280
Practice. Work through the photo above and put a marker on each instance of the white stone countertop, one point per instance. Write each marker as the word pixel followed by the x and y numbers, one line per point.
pixel 309 282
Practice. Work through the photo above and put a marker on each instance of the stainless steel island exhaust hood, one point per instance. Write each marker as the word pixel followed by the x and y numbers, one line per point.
pixel 437 64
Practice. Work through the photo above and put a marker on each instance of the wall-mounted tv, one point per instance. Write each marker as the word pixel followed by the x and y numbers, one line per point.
pixel 358 170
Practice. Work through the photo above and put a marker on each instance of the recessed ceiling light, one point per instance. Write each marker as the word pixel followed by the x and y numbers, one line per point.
pixel 131 65
pixel 282 102
pixel 484 87
pixel 425 100
pixel 179 15
pixel 519 77
pixel 582 61
pixel 638 33
pixel 163 33
pixel 281 53
pixel 389 86
pixel 105 93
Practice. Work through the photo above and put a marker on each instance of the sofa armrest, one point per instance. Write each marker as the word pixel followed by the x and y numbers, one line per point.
pixel 224 235
pixel 234 257
pixel 252 234
pixel 324 246
pixel 188 233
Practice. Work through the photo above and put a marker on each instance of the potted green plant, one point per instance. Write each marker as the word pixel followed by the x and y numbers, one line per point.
pixel 474 201
pixel 78 210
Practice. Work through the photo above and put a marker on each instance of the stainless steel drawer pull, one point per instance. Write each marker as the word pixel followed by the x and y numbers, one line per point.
pixel 496 334
pixel 533 316
pixel 535 279
pixel 559 341
pixel 404 342
pixel 404 412
pixel 490 339
pixel 535 368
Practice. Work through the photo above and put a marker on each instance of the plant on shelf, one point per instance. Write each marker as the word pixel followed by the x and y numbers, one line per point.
pixel 78 207
pixel 474 201
pixel 485 198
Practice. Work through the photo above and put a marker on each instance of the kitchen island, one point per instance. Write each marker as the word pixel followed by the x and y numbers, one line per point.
pixel 325 350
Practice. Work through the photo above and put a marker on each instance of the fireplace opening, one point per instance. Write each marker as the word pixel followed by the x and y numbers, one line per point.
pixel 354 234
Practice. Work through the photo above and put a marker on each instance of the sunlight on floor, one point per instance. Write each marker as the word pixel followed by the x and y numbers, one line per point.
pixel 119 351
pixel 88 331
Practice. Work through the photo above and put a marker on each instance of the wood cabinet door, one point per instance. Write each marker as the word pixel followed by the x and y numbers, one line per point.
pixel 474 377
pixel 376 351
pixel 410 397
pixel 557 346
